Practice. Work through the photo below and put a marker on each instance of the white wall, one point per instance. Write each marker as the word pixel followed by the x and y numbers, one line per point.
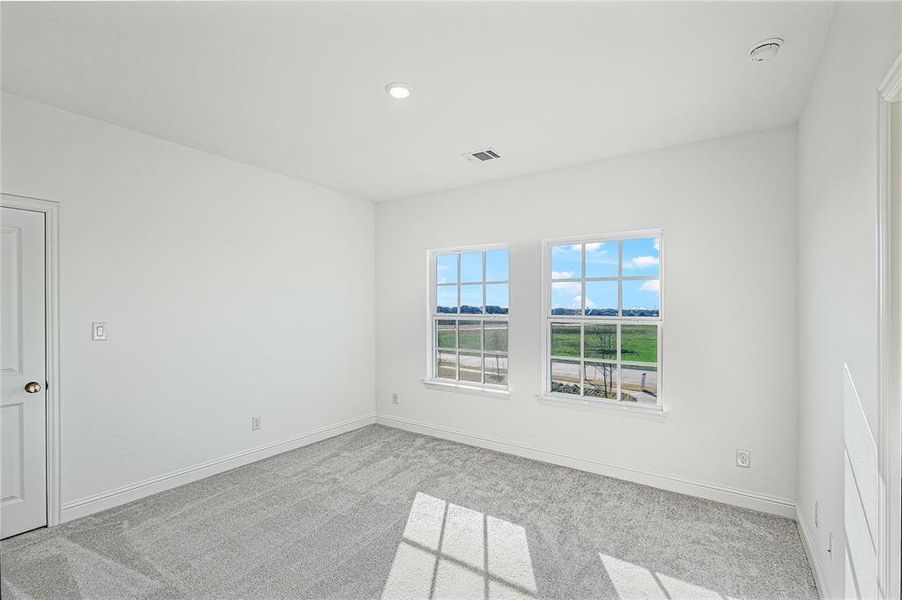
pixel 728 211
pixel 230 292
pixel 837 256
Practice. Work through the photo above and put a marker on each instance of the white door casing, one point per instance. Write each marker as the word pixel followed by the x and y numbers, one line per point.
pixel 889 321
pixel 23 470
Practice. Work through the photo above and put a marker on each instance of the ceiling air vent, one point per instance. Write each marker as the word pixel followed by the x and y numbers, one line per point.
pixel 481 155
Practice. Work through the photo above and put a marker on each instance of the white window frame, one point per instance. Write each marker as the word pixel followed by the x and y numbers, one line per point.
pixel 431 379
pixel 547 319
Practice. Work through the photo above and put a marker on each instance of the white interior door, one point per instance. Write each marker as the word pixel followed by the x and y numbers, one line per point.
pixel 23 432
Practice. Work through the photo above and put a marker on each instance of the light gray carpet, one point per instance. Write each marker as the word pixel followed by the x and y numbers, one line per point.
pixel 380 510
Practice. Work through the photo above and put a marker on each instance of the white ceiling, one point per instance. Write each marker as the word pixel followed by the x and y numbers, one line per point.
pixel 297 88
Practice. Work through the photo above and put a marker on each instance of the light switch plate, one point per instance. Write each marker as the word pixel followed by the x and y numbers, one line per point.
pixel 99 331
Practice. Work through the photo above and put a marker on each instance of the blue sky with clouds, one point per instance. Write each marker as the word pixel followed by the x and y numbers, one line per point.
pixel 469 275
pixel 641 258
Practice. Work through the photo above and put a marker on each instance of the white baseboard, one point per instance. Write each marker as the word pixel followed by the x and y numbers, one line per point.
pixel 783 507
pixel 134 491
pixel 807 543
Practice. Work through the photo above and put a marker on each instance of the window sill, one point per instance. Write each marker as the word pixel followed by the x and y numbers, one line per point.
pixel 651 413
pixel 475 390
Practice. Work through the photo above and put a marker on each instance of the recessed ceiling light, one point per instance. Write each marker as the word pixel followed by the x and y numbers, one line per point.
pixel 398 90
pixel 765 50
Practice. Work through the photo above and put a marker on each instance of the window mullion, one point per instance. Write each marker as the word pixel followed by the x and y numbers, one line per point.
pixel 582 359
pixel 619 293
pixel 482 341
pixel 582 280
pixel 619 365
pixel 485 309
pixel 457 344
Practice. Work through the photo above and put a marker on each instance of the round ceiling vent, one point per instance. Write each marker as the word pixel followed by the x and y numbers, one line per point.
pixel 765 50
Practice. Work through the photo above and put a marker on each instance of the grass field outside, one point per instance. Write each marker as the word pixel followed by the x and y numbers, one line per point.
pixel 469 335
pixel 639 343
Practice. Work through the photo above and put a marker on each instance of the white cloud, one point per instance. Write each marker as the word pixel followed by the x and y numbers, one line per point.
pixel 593 246
pixel 653 285
pixel 657 244
pixel 577 300
pixel 641 262
pixel 566 287
pixel 562 274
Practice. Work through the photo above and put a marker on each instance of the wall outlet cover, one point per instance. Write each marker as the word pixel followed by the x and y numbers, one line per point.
pixel 99 331
pixel 743 458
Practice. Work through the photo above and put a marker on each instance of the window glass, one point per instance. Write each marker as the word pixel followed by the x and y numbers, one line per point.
pixel 601 298
pixel 496 336
pixel 641 298
pixel 497 265
pixel 641 257
pixel 600 341
pixel 468 324
pixel 602 259
pixel 496 369
pixel 640 384
pixel 446 268
pixel 446 365
pixel 471 267
pixel 566 261
pixel 496 299
pixel 470 335
pixel 565 377
pixel 639 343
pixel 601 380
pixel 446 298
pixel 565 339
pixel 471 367
pixel 445 334
pixel 471 299
pixel 603 319
pixel 566 298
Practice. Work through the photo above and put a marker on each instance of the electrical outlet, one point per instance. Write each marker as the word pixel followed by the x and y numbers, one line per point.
pixel 256 423
pixel 817 515
pixel 743 458
pixel 98 331
pixel 394 397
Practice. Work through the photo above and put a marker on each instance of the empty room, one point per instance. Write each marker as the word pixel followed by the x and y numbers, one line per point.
pixel 463 300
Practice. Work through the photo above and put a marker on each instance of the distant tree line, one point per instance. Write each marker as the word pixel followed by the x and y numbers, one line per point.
pixel 473 310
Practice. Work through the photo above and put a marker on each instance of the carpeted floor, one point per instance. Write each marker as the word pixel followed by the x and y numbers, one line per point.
pixel 380 512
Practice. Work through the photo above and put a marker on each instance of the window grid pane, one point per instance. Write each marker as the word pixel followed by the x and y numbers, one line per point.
pixel 574 343
pixel 618 354
pixel 470 338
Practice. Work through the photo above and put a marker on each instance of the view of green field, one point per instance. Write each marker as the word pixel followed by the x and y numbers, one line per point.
pixel 639 343
pixel 469 335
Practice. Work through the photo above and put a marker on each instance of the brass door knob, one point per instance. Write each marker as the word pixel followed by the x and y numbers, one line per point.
pixel 32 387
